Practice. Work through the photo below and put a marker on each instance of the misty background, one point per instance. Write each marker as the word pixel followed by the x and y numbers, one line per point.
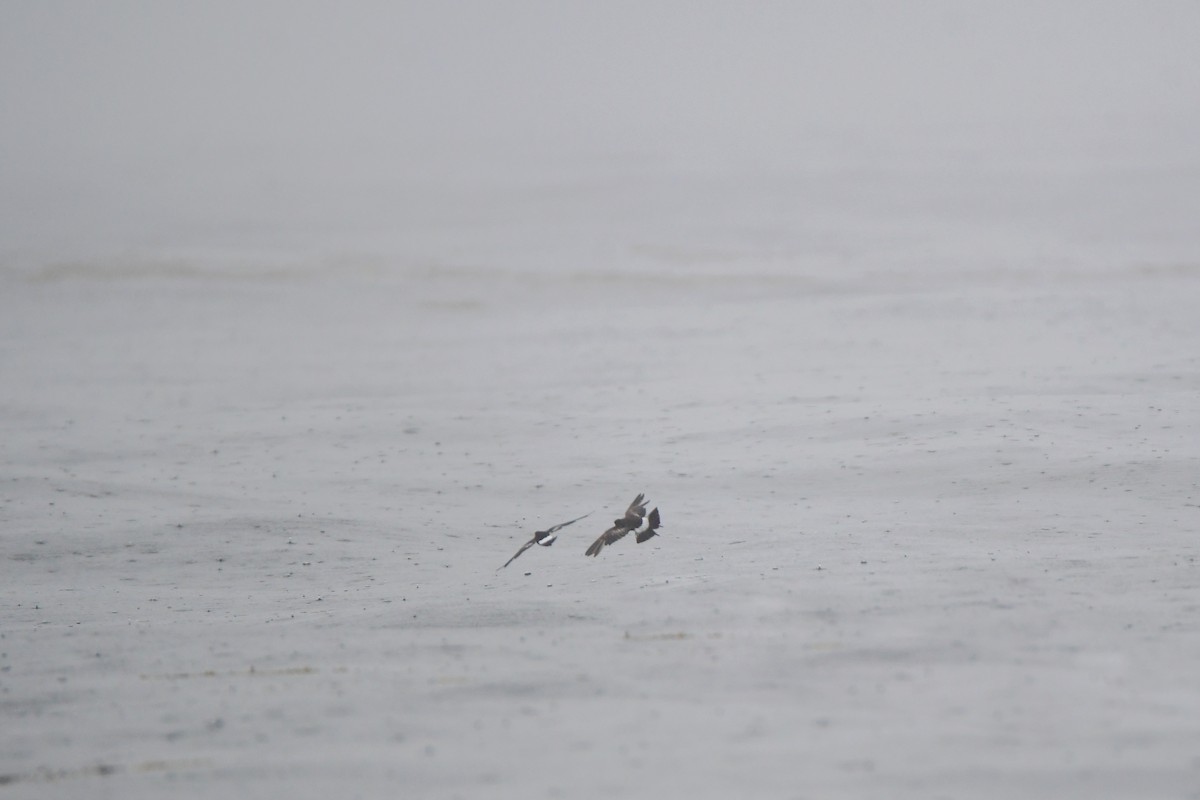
pixel 310 314
pixel 595 135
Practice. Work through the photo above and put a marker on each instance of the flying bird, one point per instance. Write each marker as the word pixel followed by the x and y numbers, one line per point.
pixel 631 521
pixel 544 538
pixel 651 529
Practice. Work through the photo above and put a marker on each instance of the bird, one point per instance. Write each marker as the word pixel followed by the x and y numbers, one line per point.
pixel 651 529
pixel 631 521
pixel 544 538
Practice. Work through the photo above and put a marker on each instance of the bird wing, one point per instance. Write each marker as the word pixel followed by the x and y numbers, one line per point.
pixel 637 507
pixel 635 512
pixel 608 537
pixel 615 535
pixel 562 525
pixel 524 547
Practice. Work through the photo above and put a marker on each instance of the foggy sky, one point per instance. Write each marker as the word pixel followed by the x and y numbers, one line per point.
pixel 114 111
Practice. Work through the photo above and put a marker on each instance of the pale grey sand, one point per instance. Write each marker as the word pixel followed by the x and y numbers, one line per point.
pixel 917 540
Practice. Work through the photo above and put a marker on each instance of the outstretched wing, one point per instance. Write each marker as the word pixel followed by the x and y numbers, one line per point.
pixel 637 508
pixel 524 547
pixel 608 537
pixel 562 525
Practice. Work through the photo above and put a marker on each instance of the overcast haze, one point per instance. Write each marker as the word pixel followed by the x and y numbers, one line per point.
pixel 311 314
pixel 135 127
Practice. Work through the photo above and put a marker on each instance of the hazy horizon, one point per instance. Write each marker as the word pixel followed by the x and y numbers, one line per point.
pixel 136 127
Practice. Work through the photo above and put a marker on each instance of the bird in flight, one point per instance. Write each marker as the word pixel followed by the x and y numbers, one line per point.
pixel 631 521
pixel 544 538
pixel 652 525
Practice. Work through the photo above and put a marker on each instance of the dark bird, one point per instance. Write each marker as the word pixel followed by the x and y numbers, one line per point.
pixel 544 538
pixel 651 529
pixel 631 521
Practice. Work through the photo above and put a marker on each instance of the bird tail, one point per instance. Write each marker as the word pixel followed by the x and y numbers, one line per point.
pixel 652 525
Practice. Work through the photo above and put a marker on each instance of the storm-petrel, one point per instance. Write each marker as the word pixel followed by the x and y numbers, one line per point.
pixel 544 538
pixel 631 521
